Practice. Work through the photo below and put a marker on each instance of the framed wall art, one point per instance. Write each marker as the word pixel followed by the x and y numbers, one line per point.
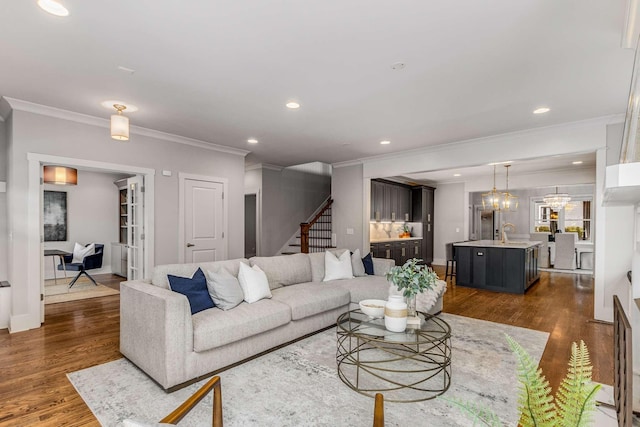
pixel 55 216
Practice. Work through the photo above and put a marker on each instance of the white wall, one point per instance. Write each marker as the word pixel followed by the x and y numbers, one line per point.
pixel 43 134
pixel 92 216
pixel 349 210
pixel 449 218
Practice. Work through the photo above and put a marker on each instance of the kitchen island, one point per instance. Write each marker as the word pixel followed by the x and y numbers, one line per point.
pixel 496 266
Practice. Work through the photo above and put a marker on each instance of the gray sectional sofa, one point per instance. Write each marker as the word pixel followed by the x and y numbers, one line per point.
pixel 159 334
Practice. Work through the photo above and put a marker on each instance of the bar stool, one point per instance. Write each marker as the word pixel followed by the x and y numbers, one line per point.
pixel 451 259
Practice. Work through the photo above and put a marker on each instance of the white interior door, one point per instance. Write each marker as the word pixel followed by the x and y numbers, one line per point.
pixel 203 221
pixel 135 227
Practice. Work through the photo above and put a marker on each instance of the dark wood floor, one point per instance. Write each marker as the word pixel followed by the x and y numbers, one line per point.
pixel 34 389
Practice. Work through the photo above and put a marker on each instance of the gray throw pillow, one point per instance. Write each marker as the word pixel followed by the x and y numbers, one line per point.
pixel 224 289
pixel 357 265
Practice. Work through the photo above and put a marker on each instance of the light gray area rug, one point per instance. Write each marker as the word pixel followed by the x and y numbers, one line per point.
pixel 298 385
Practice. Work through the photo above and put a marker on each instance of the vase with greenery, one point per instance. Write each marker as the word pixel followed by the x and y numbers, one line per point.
pixel 412 278
pixel 574 403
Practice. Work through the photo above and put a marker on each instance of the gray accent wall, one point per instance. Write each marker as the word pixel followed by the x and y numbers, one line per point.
pixel 288 197
pixel 348 189
pixel 449 214
pixel 4 244
pixel 35 133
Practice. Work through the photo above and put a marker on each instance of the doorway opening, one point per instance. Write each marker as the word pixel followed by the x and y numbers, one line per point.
pixel 250 225
pixel 34 262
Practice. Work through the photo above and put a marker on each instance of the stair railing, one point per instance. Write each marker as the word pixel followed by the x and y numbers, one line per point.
pixel 322 231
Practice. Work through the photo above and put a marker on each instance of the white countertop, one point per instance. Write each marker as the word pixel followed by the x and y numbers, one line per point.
pixel 393 239
pixel 511 244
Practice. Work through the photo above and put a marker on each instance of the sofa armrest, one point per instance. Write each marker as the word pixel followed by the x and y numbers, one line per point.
pixel 156 332
pixel 382 265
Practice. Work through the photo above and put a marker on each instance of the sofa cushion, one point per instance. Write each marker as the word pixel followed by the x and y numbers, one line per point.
pixel 369 287
pixel 308 299
pixel 215 328
pixel 194 288
pixel 159 277
pixel 337 267
pixel 254 283
pixel 224 289
pixel 316 259
pixel 367 262
pixel 284 270
pixel 357 264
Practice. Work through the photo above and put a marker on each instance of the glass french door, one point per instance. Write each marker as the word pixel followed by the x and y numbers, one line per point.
pixel 135 228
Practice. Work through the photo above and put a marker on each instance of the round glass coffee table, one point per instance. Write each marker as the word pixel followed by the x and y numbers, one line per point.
pixel 409 366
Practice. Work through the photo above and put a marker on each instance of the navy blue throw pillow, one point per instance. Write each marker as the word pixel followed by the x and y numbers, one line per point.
pixel 367 261
pixel 195 289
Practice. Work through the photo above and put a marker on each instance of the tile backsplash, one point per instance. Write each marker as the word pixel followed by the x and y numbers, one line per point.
pixel 391 230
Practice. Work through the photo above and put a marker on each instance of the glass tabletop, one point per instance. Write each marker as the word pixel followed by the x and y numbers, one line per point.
pixel 431 329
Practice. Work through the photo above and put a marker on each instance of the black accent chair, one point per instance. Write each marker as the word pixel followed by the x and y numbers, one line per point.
pixel 90 262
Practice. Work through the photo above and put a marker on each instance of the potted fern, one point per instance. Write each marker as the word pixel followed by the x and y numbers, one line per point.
pixel 574 402
pixel 412 278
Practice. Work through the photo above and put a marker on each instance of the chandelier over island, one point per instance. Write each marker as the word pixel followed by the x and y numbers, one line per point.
pixel 494 199
pixel 557 201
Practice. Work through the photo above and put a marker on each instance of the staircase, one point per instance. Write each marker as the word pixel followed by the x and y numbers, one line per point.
pixel 315 235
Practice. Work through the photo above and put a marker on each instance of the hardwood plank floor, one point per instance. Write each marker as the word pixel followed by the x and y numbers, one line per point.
pixel 34 389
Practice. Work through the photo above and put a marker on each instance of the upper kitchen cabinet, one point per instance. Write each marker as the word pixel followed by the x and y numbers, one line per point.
pixel 390 201
pixel 422 204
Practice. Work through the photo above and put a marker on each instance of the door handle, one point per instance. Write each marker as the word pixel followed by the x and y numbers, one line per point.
pixel 189 245
pixel 403 251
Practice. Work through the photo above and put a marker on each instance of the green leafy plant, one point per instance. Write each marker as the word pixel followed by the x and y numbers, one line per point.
pixel 574 402
pixel 412 278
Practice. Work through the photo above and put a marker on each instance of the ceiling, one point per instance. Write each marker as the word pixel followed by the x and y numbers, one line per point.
pixel 221 72
pixel 518 168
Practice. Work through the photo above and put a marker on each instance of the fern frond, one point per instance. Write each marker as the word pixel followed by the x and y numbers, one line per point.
pixel 576 395
pixel 535 401
pixel 477 413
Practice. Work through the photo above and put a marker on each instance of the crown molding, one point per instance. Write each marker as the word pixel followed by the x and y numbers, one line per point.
pixel 347 163
pixel 58 113
pixel 602 121
pixel 271 167
pixel 263 166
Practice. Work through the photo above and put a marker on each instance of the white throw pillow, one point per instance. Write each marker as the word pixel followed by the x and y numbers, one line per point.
pixel 80 251
pixel 357 265
pixel 254 283
pixel 337 268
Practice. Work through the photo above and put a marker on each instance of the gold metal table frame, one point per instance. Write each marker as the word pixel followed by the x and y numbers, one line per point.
pixel 410 366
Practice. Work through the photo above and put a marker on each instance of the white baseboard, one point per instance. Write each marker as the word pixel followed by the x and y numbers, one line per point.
pixel 22 322
pixel 439 261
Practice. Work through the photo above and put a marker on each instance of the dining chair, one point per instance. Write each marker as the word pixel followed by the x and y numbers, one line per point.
pixel 565 251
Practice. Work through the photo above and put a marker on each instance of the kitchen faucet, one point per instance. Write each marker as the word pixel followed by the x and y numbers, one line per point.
pixel 504 235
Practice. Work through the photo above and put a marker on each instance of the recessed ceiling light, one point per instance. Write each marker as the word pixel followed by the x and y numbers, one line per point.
pixel 457 174
pixel 252 141
pixel 293 105
pixel 385 142
pixel 53 7
pixel 577 162
pixel 541 110
pixel 111 102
